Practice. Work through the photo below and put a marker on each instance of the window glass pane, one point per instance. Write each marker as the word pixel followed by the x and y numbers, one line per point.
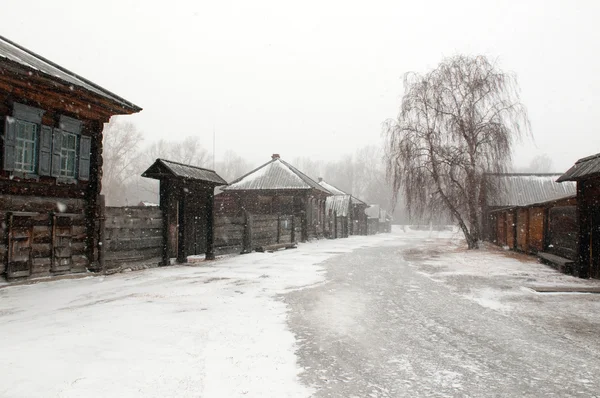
pixel 25 146
pixel 68 155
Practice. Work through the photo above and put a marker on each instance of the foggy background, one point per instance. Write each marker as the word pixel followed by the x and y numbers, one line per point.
pixel 314 80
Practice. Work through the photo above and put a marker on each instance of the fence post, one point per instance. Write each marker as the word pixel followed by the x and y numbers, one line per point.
pixel 304 226
pixel 278 228
pixel 293 234
pixel 335 225
pixel 247 237
pixel 101 226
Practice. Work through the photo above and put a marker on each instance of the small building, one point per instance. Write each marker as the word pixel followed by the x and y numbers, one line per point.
pixel 338 212
pixel 278 188
pixel 357 219
pixel 531 213
pixel 373 213
pixel 586 175
pixel 187 203
pixel 51 169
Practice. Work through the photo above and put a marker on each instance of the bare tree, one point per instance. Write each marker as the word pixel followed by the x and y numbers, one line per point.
pixel 456 123
pixel 121 151
pixel 232 166
pixel 539 164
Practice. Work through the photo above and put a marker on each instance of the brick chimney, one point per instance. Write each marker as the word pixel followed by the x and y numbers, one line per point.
pixel 275 156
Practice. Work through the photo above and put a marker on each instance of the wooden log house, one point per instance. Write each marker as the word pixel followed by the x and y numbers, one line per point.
pixel 51 168
pixel 586 174
pixel 278 188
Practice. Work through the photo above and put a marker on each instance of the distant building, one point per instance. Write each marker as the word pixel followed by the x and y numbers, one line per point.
pixel 277 187
pixel 345 213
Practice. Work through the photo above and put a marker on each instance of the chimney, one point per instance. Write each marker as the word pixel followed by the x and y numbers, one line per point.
pixel 320 179
pixel 275 156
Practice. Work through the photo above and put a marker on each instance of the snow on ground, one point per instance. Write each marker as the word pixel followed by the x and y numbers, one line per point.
pixel 504 281
pixel 215 329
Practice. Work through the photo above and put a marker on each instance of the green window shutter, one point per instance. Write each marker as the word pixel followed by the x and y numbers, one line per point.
pixel 45 159
pixel 10 140
pixel 56 149
pixel 85 152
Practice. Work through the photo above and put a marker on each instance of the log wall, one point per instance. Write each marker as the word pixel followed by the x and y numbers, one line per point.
pixel 41 236
pixel 132 234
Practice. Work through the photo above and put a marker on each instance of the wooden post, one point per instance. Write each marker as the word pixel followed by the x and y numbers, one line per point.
pixel 293 234
pixel 583 217
pixel 335 226
pixel 247 238
pixel 210 221
pixel 165 207
pixel 102 222
pixel 278 228
pixel 181 254
pixel 303 226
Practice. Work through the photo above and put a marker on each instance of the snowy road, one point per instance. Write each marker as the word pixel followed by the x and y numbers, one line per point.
pixel 406 314
pixel 383 327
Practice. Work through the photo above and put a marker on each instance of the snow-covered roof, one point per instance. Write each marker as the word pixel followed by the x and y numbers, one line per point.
pixel 528 189
pixel 331 188
pixel 337 191
pixel 584 168
pixel 29 60
pixel 275 174
pixel 340 204
pixel 165 168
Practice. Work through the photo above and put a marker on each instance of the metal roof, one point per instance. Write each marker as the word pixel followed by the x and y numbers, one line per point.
pixel 331 188
pixel 337 191
pixel 165 168
pixel 30 60
pixel 275 174
pixel 584 168
pixel 339 204
pixel 528 189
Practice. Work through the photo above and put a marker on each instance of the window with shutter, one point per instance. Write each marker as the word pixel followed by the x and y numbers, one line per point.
pixel 85 152
pixel 10 127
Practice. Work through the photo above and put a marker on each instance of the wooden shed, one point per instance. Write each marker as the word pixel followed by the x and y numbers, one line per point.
pixel 187 203
pixel 279 188
pixel 524 214
pixel 338 212
pixel 586 174
pixel 51 169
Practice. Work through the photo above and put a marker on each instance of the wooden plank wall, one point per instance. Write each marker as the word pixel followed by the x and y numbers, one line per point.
pixel 229 234
pixel 132 234
pixel 501 229
pixel 563 230
pixel 522 229
pixel 536 229
pixel 39 227
pixel 510 229
pixel 268 229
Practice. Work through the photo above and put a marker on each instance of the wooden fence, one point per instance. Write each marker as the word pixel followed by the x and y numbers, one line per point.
pixel 132 234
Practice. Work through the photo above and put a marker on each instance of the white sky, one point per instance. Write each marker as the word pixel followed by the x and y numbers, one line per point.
pixel 316 78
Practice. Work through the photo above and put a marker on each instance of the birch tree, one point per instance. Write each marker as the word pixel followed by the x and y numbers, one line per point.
pixel 456 123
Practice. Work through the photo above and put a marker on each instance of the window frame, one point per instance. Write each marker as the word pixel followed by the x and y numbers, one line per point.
pixel 19 155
